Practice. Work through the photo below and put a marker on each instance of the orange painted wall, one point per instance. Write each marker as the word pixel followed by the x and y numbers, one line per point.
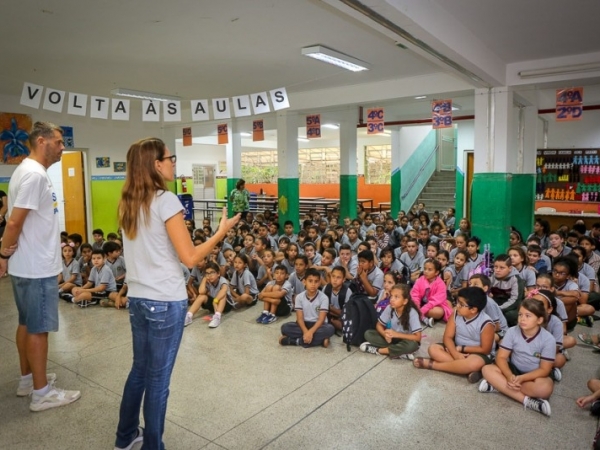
pixel 378 192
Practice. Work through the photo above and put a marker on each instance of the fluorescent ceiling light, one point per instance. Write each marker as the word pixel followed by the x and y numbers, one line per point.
pixel 143 95
pixel 550 71
pixel 331 126
pixel 336 58
pixel 245 134
pixel 420 97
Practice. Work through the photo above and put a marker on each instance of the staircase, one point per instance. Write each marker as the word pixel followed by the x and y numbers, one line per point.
pixel 438 194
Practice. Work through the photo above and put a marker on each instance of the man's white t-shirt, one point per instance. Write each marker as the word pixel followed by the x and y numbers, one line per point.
pixel 153 267
pixel 38 254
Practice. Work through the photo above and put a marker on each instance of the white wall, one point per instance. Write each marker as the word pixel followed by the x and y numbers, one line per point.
pixel 584 133
pixel 204 154
pixel 465 140
pixel 410 138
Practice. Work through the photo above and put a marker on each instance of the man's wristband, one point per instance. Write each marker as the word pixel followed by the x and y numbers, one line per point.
pixel 3 257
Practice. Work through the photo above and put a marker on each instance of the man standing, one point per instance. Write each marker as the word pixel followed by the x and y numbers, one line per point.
pixel 32 241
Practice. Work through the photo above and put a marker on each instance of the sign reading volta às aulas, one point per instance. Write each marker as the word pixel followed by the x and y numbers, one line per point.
pixel 119 109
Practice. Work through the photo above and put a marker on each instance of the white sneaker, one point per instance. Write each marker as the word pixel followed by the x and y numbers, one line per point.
pixel 368 348
pixel 409 356
pixel 215 322
pixel 556 374
pixel 26 387
pixel 53 399
pixel 188 319
pixel 537 404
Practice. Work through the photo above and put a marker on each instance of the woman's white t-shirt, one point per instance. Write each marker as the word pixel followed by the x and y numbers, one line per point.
pixel 153 267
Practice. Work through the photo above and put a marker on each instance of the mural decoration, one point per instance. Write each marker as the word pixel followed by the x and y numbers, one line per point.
pixel 14 135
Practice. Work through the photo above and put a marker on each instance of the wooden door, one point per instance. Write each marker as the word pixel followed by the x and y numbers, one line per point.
pixel 470 170
pixel 74 192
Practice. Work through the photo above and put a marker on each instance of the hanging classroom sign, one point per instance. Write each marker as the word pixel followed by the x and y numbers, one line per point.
pixel 187 136
pixel 375 121
pixel 441 114
pixel 313 126
pixel 99 107
pixel 223 137
pixel 569 104
pixel 258 130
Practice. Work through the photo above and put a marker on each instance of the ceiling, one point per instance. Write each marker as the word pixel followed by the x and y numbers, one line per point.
pixel 222 48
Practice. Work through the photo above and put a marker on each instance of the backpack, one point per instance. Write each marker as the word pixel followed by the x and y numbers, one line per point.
pixel 359 315
pixel 341 295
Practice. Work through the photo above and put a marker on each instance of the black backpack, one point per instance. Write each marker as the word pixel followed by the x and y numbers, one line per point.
pixel 359 316
pixel 341 295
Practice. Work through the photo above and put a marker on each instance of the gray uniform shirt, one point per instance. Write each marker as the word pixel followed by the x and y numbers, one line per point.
pixel 311 308
pixel 103 276
pixel 526 353
pixel 390 319
pixel 468 332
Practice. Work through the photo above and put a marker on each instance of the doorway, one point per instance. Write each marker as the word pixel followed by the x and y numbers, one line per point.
pixel 74 194
pixel 447 149
pixel 204 181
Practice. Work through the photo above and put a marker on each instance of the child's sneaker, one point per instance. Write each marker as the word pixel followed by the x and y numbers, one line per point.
pixel 409 356
pixel 271 318
pixel 138 438
pixel 53 399
pixel 556 374
pixel 215 322
pixel 474 377
pixel 537 404
pixel 260 318
pixel 66 297
pixel 428 322
pixel 368 348
pixel 286 340
pixel 26 386
pixel 189 318
pixel 486 387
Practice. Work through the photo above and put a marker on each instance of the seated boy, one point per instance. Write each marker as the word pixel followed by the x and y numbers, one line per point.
pixel 491 308
pixel 311 327
pixel 212 296
pixel 468 339
pixel 534 255
pixel 115 262
pixel 101 284
pixel 196 276
pixel 369 277
pixel 338 293
pixel 276 297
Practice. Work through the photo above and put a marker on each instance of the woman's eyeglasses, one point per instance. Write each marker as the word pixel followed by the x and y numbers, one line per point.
pixel 173 158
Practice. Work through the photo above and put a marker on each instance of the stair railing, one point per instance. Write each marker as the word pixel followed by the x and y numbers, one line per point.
pixel 420 171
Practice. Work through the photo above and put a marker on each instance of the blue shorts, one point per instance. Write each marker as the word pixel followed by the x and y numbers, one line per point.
pixel 37 303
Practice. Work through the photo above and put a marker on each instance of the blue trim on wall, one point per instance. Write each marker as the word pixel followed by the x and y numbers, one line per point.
pixel 4 180
pixel 107 177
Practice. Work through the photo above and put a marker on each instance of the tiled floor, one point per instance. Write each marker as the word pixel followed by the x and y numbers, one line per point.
pixel 234 387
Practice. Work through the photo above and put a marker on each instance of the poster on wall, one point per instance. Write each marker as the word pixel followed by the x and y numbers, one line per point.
pixel 258 130
pixel 103 162
pixel 187 136
pixel 375 121
pixel 68 137
pixel 14 135
pixel 569 104
pixel 441 114
pixel 120 166
pixel 313 126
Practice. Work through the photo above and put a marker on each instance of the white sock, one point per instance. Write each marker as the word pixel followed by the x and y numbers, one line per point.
pixel 189 314
pixel 43 391
pixel 265 311
pixel 217 314
pixel 28 377
pixel 525 400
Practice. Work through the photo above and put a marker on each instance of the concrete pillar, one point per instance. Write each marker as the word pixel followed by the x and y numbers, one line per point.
pixel 233 153
pixel 396 180
pixel 348 178
pixel 288 186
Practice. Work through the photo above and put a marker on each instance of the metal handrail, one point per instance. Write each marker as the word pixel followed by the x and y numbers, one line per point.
pixel 412 184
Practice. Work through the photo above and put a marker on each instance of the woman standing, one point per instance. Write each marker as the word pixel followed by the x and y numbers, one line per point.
pixel 156 240
pixel 240 199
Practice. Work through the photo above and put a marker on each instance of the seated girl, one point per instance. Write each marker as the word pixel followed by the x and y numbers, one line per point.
pixel 554 327
pixel 468 339
pixel 390 279
pixel 524 361
pixel 243 290
pixel 429 293
pixel 70 276
pixel 398 330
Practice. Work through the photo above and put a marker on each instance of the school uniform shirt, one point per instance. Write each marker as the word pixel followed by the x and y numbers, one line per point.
pixel 396 266
pixel 297 283
pixel 472 264
pixel 458 276
pixel 555 328
pixel 587 271
pixel 526 274
pixel 312 307
pixel 354 245
pixel 186 273
pixel 495 313
pixel 292 237
pixel 561 311
pixel 468 332
pixel 103 276
pixel 336 301
pixel 429 295
pixel 71 269
pixel 220 260
pixel 117 266
pixel 544 241
pixel 365 229
pixel 213 289
pixel 240 281
pixel 452 254
pixel 248 253
pixel 375 278
pixel 352 265
pixel 594 262
pixel 262 271
pixel 414 263
pixel 506 288
pixel 564 252
pixel 316 260
pixel 526 353
pixel 583 283
pixel 288 265
pixel 287 287
pixel 390 319
pixel 197 274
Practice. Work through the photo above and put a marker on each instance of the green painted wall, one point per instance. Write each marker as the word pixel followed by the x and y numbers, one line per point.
pixel 289 192
pixel 105 195
pixel 395 186
pixel 491 209
pixel 221 188
pixel 523 203
pixel 348 195
pixel 460 195
pixel 230 187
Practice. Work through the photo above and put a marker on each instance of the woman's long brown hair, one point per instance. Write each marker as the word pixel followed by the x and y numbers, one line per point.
pixel 142 181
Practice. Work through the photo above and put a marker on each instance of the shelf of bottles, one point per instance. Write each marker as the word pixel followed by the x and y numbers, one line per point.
pixel 568 175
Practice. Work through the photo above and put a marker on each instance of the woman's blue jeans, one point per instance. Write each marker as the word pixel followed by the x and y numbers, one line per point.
pixel 157 328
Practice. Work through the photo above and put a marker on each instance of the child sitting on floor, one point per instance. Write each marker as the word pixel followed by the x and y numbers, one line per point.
pixel 311 327
pixel 429 293
pixel 491 308
pixel 212 296
pixel 338 293
pixel 524 361
pixel 101 284
pixel 468 339
pixel 276 297
pixel 398 330
pixel 243 290
pixel 70 276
